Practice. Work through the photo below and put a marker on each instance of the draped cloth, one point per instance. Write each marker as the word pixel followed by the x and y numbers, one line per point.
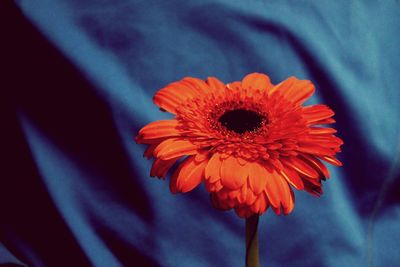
pixel 76 86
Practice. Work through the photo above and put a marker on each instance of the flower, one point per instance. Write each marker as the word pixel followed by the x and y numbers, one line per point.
pixel 250 142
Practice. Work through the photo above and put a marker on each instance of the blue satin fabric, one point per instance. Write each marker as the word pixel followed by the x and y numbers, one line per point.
pixel 80 77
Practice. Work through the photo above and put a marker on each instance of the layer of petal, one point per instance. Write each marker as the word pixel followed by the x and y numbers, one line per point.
pixel 313 188
pixel 321 130
pixel 260 205
pixel 158 129
pixel 197 85
pixel 213 187
pixel 317 164
pixel 332 160
pixel 301 167
pixel 172 148
pixel 168 100
pixel 148 153
pixel 317 113
pixel 293 178
pixel 311 148
pixel 189 175
pixel 256 81
pixel 212 172
pixel 295 90
pixel 215 84
pixel 233 175
pixel 177 93
pixel 257 177
pixel 160 167
pixel 243 211
pixel 279 193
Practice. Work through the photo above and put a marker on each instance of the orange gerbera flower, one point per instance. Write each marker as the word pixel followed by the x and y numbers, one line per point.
pixel 249 141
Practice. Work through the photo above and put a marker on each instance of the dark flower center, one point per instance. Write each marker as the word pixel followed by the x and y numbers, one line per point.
pixel 241 120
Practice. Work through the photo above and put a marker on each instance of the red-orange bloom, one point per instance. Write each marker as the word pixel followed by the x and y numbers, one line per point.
pixel 249 141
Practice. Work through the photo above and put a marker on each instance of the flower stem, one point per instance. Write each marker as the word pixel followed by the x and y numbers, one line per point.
pixel 252 241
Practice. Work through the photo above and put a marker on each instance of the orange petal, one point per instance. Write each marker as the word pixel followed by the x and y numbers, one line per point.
pixel 312 188
pixel 231 203
pixel 260 205
pixel 293 178
pixel 213 187
pixel 332 160
pixel 197 84
pixel 148 153
pixel 201 156
pixel 295 90
pixel 263 203
pixel 288 207
pixel 158 129
pixel 235 86
pixel 215 84
pixel 257 81
pixel 257 177
pixel 172 148
pixel 316 182
pixel 212 172
pixel 184 88
pixel 223 193
pixel 174 94
pixel 274 146
pixel 301 167
pixel 241 198
pixel 172 182
pixel 278 192
pixel 255 207
pixel 243 211
pixel 168 100
pixel 321 130
pixel 217 186
pixel 325 121
pixel 190 175
pixel 232 194
pixel 233 175
pixel 311 148
pixel 317 113
pixel 317 164
pixel 250 197
pixel 241 161
pixel 326 140
pixel 161 167
pixel 275 163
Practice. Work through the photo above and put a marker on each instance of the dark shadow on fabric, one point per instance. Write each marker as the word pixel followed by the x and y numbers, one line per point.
pixel 126 253
pixel 73 116
pixel 393 194
pixel 30 224
pixel 42 84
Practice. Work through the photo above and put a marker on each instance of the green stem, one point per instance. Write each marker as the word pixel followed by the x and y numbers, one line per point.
pixel 252 242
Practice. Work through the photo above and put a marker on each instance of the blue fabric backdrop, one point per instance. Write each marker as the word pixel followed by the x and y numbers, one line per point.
pixel 77 84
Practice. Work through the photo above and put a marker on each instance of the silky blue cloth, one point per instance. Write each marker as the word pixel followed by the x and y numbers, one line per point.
pixel 78 84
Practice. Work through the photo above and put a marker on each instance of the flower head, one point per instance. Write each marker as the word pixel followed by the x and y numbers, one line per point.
pixel 250 142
